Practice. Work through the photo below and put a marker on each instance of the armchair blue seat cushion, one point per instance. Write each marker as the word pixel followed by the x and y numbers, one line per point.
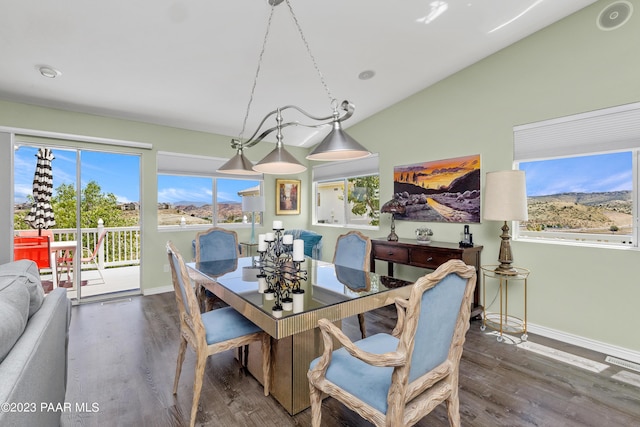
pixel 368 382
pixel 312 242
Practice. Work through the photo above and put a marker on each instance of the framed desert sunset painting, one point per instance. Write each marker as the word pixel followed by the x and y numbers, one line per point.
pixel 439 191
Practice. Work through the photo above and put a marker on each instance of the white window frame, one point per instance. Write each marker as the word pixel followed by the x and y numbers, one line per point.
pixel 602 131
pixel 180 164
pixel 343 171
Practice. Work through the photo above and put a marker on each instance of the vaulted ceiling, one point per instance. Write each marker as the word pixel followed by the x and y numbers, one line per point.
pixel 191 64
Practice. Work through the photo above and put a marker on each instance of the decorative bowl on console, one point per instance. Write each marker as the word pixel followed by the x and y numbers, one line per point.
pixel 423 235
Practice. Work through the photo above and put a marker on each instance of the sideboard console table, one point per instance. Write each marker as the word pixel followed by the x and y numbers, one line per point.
pixel 430 255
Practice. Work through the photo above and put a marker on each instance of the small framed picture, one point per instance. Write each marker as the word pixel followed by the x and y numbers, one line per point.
pixel 287 197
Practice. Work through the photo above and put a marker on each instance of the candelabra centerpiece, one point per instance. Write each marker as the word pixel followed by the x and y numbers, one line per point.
pixel 280 259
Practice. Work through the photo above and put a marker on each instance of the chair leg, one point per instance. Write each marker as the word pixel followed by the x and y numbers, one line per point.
pixel 453 405
pixel 181 352
pixel 315 398
pixel 363 330
pixel 266 362
pixel 201 361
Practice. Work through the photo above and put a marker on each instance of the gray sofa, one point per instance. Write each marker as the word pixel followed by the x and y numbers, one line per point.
pixel 33 347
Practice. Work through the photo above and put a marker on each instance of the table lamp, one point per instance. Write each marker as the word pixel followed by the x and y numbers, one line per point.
pixel 253 204
pixel 393 207
pixel 505 199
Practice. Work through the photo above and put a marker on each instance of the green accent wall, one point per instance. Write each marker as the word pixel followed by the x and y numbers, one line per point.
pixel 567 68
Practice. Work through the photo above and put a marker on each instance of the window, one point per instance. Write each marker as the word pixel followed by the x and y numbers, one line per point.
pixel 191 193
pixel 582 177
pixel 347 193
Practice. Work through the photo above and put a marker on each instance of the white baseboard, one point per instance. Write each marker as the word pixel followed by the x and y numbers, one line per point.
pixel 607 349
pixel 157 290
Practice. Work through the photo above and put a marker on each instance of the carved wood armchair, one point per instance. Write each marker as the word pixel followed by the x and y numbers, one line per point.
pixel 379 378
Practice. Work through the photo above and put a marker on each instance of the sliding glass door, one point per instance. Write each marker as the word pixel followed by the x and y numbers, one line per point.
pixel 95 200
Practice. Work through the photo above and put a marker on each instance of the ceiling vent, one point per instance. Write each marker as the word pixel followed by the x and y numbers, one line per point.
pixel 615 15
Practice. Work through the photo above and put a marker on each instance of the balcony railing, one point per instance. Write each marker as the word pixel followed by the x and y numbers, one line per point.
pixel 121 246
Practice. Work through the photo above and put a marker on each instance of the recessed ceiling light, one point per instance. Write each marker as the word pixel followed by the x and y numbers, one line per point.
pixel 366 75
pixel 49 72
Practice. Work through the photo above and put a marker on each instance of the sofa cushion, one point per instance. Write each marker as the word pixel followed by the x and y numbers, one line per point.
pixel 14 312
pixel 25 272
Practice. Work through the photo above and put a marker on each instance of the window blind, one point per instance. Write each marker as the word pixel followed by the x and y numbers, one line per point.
pixel 610 129
pixel 190 164
pixel 346 169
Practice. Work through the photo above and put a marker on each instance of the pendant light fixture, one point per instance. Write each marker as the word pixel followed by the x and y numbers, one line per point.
pixel 335 146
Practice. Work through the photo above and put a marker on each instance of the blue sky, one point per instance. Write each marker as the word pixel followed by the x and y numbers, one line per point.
pixel 115 173
pixel 587 174
pixel 119 174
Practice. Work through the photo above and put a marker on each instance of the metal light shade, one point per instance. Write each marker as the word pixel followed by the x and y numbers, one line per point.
pixel 279 161
pixel 338 146
pixel 505 199
pixel 238 165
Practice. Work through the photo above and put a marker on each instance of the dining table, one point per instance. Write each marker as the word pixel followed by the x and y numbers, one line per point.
pixel 330 291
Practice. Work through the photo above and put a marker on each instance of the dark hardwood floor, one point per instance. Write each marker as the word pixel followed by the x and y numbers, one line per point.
pixel 122 357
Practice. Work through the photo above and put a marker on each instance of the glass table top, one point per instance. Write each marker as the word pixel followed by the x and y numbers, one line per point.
pixel 329 291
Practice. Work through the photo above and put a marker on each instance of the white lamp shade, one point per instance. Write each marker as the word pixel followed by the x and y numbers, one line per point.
pixel 253 204
pixel 505 196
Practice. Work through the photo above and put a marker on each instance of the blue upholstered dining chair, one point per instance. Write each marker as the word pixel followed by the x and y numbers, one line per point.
pixel 211 332
pixel 379 378
pixel 354 250
pixel 214 244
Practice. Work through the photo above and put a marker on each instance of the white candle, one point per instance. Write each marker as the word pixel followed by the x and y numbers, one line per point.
pixel 287 239
pixel 270 237
pixel 262 244
pixel 262 283
pixel 277 313
pixel 287 305
pixel 298 302
pixel 277 225
pixel 268 296
pixel 298 250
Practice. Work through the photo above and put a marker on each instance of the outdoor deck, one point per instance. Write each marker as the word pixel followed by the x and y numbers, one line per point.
pixel 116 279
